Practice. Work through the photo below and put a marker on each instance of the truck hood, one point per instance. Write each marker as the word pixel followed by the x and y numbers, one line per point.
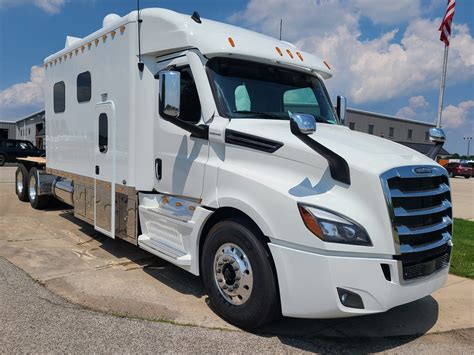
pixel 362 151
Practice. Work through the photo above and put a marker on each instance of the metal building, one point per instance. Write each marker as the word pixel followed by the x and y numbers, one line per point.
pixel 7 129
pixel 32 128
pixel 411 133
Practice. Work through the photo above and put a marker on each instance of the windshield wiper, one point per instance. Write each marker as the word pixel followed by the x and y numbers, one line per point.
pixel 261 114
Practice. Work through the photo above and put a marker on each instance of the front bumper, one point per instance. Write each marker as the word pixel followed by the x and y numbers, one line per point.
pixel 308 283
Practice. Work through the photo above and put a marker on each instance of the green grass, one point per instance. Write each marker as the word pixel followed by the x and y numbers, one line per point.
pixel 462 261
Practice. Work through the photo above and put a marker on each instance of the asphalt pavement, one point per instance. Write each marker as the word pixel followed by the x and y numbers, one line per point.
pixel 35 320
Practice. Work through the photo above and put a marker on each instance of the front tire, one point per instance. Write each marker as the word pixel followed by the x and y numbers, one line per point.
pixel 21 183
pixel 238 275
pixel 3 159
pixel 37 201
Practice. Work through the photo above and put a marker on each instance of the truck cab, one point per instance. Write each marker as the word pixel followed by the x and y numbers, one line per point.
pixel 218 149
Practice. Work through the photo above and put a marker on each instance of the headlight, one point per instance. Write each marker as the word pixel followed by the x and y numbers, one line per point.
pixel 333 228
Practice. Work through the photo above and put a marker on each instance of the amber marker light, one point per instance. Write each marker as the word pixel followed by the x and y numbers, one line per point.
pixel 289 53
pixel 300 56
pixel 310 222
pixel 231 42
pixel 279 51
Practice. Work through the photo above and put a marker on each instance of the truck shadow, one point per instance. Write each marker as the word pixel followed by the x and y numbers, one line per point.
pixel 371 333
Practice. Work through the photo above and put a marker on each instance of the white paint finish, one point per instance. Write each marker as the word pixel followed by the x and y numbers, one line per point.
pixel 317 297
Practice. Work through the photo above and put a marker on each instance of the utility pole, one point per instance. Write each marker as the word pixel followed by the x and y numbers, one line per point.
pixel 468 139
pixel 281 26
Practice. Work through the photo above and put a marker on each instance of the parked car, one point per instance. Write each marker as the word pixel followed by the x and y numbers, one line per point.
pixel 10 149
pixel 459 169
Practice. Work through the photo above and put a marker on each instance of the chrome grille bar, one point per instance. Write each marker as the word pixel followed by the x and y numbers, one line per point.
pixel 397 193
pixel 403 212
pixel 404 230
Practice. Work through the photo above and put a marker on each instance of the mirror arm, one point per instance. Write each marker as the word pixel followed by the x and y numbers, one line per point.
pixel 198 131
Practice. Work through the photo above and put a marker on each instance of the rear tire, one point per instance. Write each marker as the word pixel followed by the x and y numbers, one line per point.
pixel 37 201
pixel 238 275
pixel 3 159
pixel 21 183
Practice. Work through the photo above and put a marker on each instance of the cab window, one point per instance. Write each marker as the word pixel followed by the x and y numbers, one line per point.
pixel 190 107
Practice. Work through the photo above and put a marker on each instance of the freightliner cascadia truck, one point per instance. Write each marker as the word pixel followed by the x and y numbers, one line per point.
pixel 218 149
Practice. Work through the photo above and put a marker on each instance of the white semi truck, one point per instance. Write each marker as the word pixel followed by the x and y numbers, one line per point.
pixel 218 150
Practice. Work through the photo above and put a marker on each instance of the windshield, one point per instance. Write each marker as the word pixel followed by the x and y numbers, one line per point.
pixel 244 89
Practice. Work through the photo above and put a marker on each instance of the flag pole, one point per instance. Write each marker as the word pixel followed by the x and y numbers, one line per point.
pixel 442 85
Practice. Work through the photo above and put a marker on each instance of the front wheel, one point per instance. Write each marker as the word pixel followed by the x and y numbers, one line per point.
pixel 238 275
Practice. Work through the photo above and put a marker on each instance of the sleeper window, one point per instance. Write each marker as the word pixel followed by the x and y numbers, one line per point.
pixel 103 133
pixel 190 107
pixel 84 87
pixel 59 97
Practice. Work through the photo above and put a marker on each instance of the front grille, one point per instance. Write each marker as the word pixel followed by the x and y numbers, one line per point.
pixel 421 213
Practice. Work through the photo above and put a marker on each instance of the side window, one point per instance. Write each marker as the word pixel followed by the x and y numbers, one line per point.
pixel 371 129
pixel 410 134
pixel 190 107
pixel 301 100
pixel 59 97
pixel 84 87
pixel 103 133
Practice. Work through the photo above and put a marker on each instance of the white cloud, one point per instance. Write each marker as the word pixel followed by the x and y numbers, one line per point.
pixel 25 94
pixel 457 116
pixel 389 11
pixel 48 6
pixel 416 108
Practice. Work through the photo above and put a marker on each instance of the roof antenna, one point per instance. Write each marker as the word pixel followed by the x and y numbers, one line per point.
pixel 141 65
pixel 281 27
pixel 196 17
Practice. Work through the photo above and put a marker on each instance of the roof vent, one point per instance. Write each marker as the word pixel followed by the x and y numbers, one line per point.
pixel 70 41
pixel 110 19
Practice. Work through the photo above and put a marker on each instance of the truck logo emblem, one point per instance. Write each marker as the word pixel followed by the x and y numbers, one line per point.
pixel 423 170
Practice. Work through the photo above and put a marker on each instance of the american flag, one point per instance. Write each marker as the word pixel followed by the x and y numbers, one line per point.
pixel 445 27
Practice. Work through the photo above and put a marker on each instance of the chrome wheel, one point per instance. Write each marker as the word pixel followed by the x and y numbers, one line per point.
pixel 32 188
pixel 233 274
pixel 19 182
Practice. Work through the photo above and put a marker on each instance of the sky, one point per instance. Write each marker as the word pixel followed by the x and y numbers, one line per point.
pixel 386 55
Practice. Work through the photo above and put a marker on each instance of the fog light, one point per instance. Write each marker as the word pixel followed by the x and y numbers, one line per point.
pixel 350 299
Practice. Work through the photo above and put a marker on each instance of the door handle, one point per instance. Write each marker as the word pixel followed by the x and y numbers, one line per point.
pixel 158 167
pixel 97 170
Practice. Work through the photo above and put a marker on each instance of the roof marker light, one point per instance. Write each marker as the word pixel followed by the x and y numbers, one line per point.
pixel 76 51
pixel 231 42
pixel 327 65
pixel 96 41
pixel 122 29
pixel 89 45
pixel 289 53
pixel 46 66
pixel 104 38
pixel 279 51
pixel 70 54
pixel 299 56
pixel 113 33
pixel 82 49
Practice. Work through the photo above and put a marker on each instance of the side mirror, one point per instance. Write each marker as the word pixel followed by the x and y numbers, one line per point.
pixel 302 124
pixel 170 94
pixel 437 135
pixel 341 109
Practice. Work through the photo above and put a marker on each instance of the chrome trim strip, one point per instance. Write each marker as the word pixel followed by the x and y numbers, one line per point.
pixel 404 230
pixel 406 249
pixel 439 190
pixel 402 212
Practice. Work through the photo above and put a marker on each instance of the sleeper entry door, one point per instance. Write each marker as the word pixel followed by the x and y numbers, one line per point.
pixel 104 169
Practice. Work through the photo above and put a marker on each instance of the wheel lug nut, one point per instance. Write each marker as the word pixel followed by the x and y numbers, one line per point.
pixel 219 270
pixel 231 289
pixel 224 287
pixel 236 285
pixel 236 267
pixel 219 280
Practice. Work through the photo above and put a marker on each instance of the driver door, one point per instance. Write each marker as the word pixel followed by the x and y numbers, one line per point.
pixel 180 158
